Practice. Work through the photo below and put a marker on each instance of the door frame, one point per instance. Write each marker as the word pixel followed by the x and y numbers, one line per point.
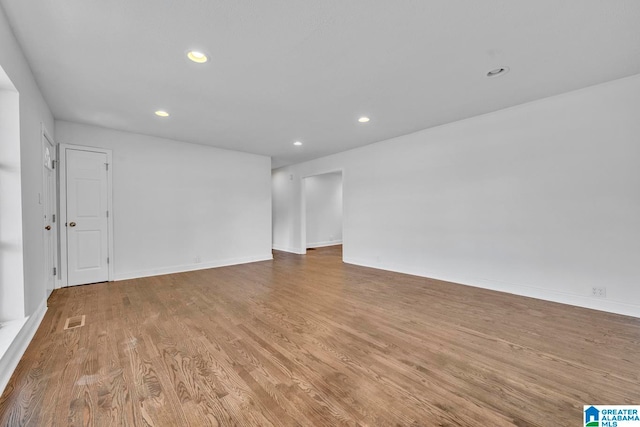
pixel 47 139
pixel 64 278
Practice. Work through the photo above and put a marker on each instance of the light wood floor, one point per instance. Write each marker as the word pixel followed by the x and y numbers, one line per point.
pixel 311 341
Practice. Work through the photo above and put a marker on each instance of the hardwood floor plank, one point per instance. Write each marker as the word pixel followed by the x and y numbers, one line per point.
pixel 310 341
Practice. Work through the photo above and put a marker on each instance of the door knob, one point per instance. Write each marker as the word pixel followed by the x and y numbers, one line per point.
pixel 72 224
pixel 48 227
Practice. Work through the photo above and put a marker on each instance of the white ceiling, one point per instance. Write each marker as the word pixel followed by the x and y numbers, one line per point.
pixel 283 70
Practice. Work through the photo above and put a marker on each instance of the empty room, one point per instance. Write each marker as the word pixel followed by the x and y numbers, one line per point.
pixel 319 213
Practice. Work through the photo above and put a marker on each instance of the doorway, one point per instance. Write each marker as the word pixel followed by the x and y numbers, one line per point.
pixel 322 210
pixel 85 215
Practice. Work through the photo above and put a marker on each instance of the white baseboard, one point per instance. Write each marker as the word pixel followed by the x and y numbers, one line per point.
pixel 324 244
pixel 12 356
pixel 192 267
pixel 593 303
pixel 289 249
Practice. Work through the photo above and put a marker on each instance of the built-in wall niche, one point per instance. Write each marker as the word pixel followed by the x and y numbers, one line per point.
pixel 11 262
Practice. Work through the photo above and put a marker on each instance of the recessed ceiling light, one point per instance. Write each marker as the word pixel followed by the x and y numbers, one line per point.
pixel 197 56
pixel 162 113
pixel 364 119
pixel 297 143
pixel 498 72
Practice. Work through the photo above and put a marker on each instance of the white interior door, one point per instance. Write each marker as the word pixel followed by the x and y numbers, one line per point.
pixel 87 217
pixel 49 209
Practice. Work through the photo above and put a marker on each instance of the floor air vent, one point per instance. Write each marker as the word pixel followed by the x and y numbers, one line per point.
pixel 74 322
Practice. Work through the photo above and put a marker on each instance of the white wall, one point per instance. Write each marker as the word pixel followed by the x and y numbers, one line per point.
pixel 540 200
pixel 323 201
pixel 286 205
pixel 34 113
pixel 22 242
pixel 174 203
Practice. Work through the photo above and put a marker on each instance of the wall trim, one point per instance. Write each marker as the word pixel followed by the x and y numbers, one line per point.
pixel 192 267
pixel 616 307
pixel 324 244
pixel 289 249
pixel 14 353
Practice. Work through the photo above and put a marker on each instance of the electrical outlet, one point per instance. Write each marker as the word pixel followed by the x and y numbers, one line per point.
pixel 197 260
pixel 599 292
